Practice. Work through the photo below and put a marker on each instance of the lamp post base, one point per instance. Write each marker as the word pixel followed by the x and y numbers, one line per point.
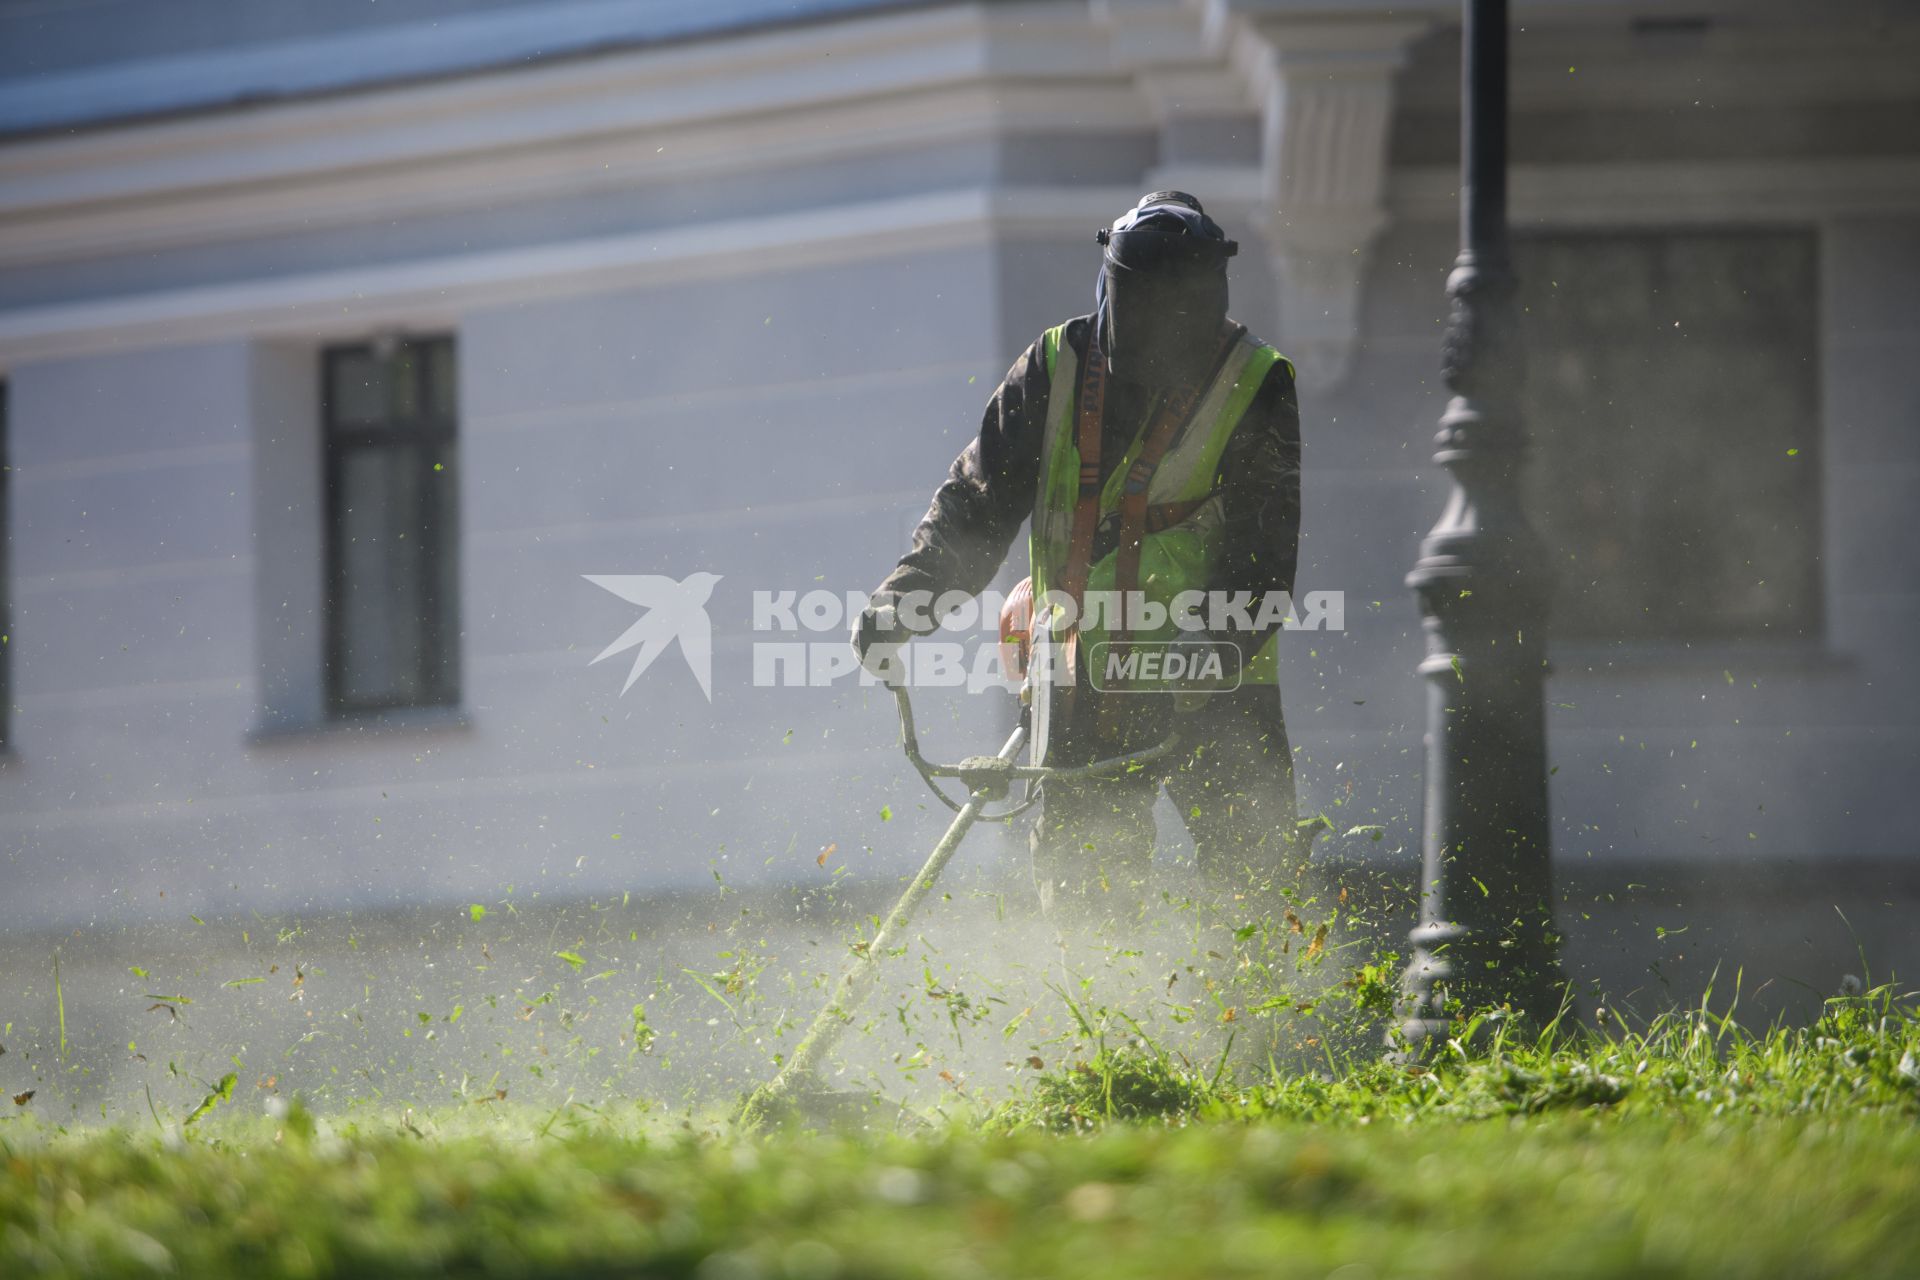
pixel 1462 985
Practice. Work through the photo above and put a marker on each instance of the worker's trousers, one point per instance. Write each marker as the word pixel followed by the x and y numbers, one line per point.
pixel 1230 778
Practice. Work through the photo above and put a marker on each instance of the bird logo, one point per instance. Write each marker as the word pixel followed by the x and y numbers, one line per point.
pixel 674 611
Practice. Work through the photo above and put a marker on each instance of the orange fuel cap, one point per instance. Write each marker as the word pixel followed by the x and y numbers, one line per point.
pixel 1016 630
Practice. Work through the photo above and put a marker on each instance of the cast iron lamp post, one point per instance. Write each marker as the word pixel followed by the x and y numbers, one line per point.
pixel 1486 935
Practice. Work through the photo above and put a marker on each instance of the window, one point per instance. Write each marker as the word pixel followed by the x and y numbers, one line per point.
pixel 6 579
pixel 392 526
pixel 1673 399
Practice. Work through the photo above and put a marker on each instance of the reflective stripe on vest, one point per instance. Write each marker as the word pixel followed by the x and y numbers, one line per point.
pixel 1177 556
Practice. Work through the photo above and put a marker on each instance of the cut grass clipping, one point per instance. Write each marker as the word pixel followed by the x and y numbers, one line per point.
pixel 1688 1148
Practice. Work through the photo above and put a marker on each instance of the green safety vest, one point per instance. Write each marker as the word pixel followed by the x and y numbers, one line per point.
pixel 1175 559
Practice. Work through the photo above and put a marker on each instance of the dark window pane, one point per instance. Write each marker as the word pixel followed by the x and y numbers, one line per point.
pixel 1669 375
pixel 442 380
pixel 6 578
pixel 392 529
pixel 405 382
pixel 442 666
pixel 381 540
pixel 357 394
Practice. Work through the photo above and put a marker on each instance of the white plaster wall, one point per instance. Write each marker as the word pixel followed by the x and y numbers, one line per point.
pixel 783 431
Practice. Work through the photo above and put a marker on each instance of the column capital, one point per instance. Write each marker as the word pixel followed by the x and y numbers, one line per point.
pixel 1324 84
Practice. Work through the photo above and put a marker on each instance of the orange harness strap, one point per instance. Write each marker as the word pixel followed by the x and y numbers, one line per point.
pixel 1091 409
pixel 1137 519
pixel 1161 516
pixel 1176 411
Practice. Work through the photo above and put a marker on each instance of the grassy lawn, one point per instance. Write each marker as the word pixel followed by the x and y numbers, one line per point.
pixel 1690 1148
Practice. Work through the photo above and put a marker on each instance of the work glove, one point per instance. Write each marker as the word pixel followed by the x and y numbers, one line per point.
pixel 878 636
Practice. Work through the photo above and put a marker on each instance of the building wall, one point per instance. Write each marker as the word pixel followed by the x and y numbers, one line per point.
pixel 733 305
pixel 170 734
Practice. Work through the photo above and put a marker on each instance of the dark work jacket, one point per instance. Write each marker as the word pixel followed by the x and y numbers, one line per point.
pixel 989 490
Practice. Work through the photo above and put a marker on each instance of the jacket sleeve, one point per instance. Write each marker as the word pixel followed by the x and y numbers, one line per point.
pixel 1260 493
pixel 962 540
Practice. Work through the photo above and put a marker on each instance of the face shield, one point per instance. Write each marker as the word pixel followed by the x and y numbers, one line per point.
pixel 1162 294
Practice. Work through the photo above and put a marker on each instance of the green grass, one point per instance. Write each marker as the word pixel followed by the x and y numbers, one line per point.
pixel 1686 1148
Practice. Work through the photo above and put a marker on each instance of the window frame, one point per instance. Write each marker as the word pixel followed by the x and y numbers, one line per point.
pixel 435 437
pixel 6 568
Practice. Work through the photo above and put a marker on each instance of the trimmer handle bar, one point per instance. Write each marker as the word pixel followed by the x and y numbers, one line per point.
pixel 990 778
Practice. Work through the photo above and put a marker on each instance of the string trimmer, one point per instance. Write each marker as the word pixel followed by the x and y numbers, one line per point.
pixel 797 1088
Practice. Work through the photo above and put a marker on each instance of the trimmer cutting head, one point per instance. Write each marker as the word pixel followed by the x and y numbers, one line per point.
pixel 811 1104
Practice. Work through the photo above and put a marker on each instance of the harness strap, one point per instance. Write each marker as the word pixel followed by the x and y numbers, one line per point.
pixel 1161 516
pixel 1175 413
pixel 1091 406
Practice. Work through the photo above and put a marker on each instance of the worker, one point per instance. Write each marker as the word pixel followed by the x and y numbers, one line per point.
pixel 1195 427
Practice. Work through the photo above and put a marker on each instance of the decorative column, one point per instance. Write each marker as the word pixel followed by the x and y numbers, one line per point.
pixel 1486 935
pixel 1325 90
